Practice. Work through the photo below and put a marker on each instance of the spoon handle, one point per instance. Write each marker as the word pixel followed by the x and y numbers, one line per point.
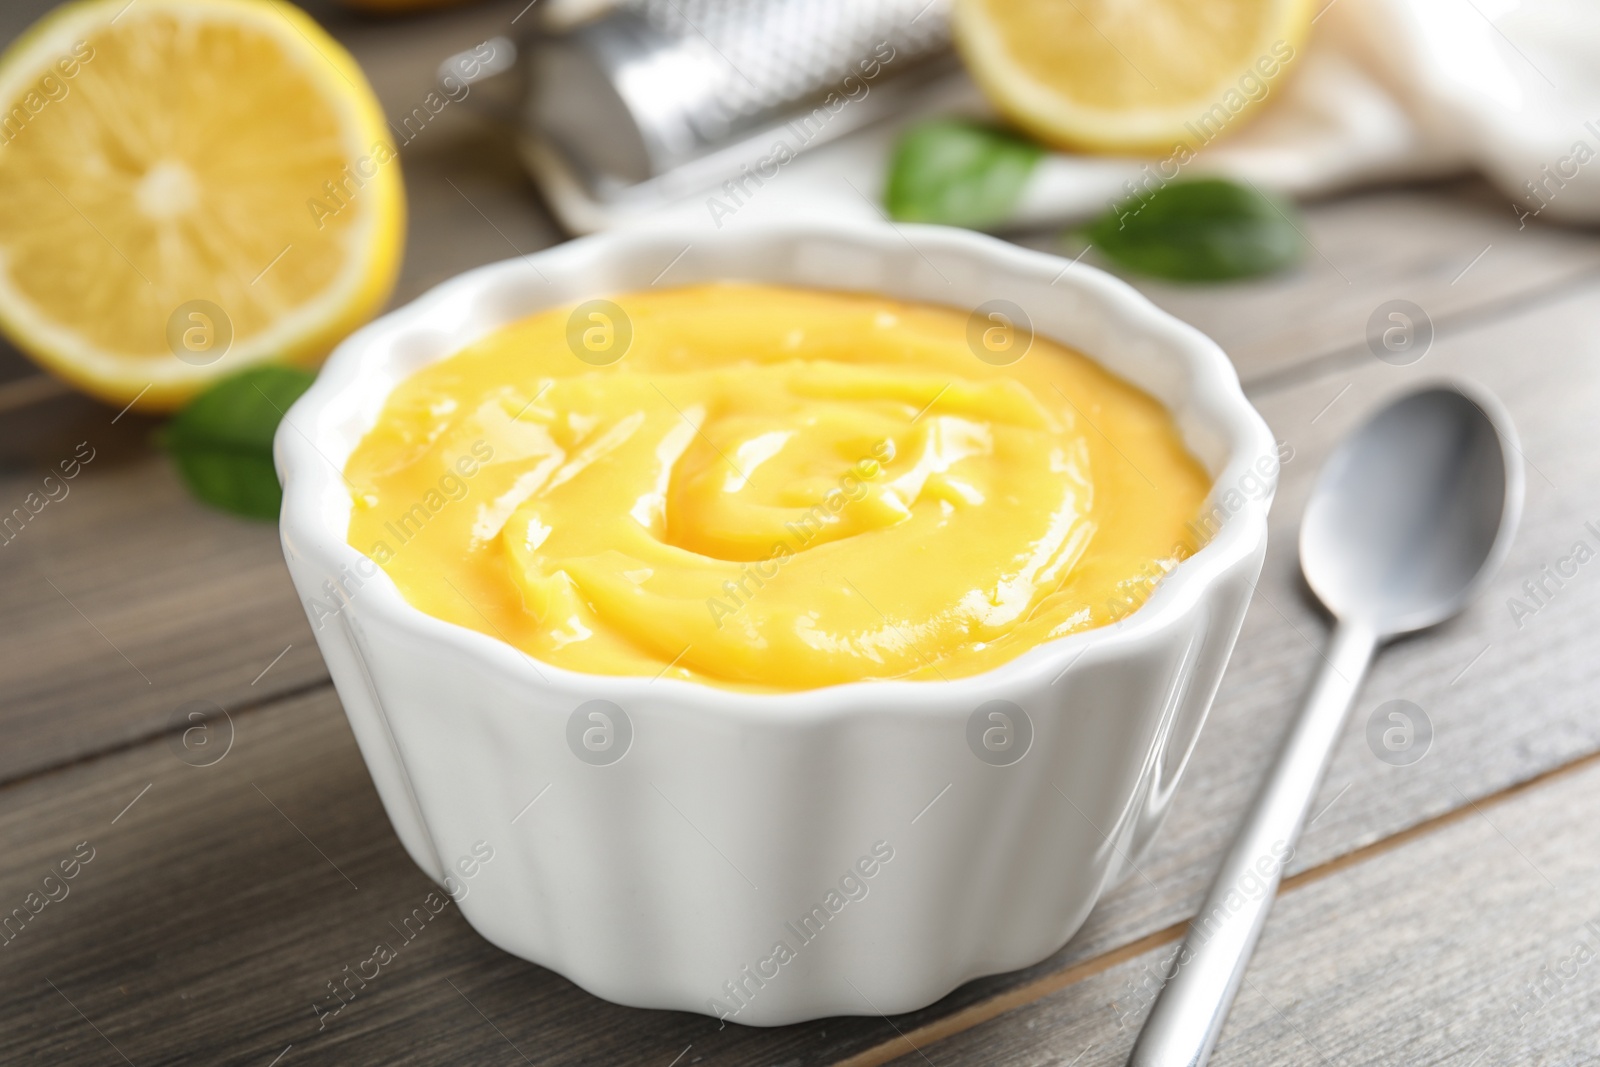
pixel 1204 976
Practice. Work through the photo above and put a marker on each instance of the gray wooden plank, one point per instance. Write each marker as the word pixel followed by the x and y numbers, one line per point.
pixel 1260 687
pixel 1452 248
pixel 1524 707
pixel 196 601
pixel 469 200
pixel 1266 674
pixel 189 603
pixel 80 701
pixel 471 204
pixel 221 899
pixel 125 598
pixel 1506 702
pixel 1474 944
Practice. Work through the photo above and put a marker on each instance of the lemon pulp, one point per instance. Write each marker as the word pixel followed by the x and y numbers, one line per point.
pixel 188 187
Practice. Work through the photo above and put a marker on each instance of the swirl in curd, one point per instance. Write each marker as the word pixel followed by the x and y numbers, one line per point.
pixel 772 488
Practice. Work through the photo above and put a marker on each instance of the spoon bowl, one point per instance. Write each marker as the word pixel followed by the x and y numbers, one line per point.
pixel 1414 511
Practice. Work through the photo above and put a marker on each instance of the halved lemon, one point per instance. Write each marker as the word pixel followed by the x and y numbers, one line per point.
pixel 1129 75
pixel 187 188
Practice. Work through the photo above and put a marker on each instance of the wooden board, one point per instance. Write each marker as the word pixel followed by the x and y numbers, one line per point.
pixel 1479 749
pixel 1476 943
pixel 467 186
pixel 218 906
pixel 209 920
pixel 221 900
pixel 109 653
pixel 1526 706
pixel 125 599
pixel 1452 248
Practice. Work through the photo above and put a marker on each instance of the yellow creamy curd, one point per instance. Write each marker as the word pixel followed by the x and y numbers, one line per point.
pixel 772 488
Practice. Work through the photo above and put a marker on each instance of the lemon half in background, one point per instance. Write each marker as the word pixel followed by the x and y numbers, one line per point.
pixel 1129 75
pixel 188 188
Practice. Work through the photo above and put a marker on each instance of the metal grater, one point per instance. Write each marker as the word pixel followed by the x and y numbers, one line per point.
pixel 658 99
pixel 767 57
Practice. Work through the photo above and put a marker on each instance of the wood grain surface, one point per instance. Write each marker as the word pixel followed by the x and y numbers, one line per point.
pixel 1475 943
pixel 1524 714
pixel 219 904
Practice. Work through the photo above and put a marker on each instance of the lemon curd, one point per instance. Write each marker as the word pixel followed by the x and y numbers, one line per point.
pixel 770 488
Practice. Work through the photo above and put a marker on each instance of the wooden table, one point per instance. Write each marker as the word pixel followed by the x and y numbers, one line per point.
pixel 1443 912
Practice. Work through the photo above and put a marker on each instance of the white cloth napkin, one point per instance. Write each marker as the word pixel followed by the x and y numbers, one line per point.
pixel 1383 90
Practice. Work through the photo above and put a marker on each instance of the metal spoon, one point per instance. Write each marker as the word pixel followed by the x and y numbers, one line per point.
pixel 1410 517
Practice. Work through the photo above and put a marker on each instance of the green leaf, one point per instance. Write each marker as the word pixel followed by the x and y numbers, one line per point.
pixel 957 172
pixel 1199 231
pixel 222 441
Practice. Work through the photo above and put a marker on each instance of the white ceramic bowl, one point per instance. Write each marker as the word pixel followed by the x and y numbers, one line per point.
pixel 855 825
